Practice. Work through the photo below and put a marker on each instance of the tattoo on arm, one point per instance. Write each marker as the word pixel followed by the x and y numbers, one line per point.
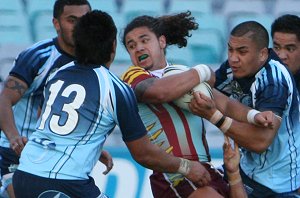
pixel 15 85
pixel 142 87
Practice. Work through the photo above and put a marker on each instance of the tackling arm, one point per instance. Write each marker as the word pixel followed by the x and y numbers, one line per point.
pixel 256 138
pixel 154 90
pixel 152 157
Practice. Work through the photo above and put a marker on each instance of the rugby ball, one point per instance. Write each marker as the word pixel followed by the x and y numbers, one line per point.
pixel 183 101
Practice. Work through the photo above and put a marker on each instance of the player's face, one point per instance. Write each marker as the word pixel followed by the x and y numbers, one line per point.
pixel 65 24
pixel 287 47
pixel 243 56
pixel 145 49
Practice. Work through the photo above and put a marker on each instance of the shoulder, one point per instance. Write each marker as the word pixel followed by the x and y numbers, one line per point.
pixel 134 75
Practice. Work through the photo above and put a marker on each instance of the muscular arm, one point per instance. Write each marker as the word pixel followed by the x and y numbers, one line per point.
pixel 226 106
pixel 169 88
pixel 152 157
pixel 252 137
pixel 13 90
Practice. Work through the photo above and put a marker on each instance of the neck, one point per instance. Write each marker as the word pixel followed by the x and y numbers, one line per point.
pixel 69 49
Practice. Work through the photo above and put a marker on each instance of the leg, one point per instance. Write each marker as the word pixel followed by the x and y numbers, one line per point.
pixel 204 192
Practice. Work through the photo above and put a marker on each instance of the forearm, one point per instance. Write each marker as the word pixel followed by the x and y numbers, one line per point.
pixel 152 157
pixel 236 185
pixel 230 107
pixel 168 88
pixel 252 137
pixel 7 122
pixel 173 86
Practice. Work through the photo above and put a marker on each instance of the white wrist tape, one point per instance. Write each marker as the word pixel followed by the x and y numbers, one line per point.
pixel 204 72
pixel 251 114
pixel 226 125
pixel 216 117
pixel 185 167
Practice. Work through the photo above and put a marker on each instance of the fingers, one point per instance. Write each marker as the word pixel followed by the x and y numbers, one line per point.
pixel 108 168
pixel 17 147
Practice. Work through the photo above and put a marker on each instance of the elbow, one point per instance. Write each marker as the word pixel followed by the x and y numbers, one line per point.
pixel 262 146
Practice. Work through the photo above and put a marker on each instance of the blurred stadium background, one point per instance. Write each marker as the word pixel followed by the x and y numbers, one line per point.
pixel 24 22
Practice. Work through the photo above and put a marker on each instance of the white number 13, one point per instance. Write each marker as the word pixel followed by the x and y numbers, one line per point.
pixel 69 108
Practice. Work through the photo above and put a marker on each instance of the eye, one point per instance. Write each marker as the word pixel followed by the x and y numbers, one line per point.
pixel 130 46
pixel 276 48
pixel 291 49
pixel 145 40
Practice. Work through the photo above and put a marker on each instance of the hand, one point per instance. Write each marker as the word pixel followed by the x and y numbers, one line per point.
pixel 198 174
pixel 231 156
pixel 202 106
pixel 106 159
pixel 265 119
pixel 17 144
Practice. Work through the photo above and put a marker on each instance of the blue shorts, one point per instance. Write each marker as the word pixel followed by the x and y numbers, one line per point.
pixel 7 158
pixel 29 185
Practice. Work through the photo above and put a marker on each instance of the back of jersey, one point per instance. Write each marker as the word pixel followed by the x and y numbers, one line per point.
pixel 77 116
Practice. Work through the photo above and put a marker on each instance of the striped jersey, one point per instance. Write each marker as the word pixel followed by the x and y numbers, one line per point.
pixel 272 88
pixel 175 130
pixel 82 106
pixel 33 66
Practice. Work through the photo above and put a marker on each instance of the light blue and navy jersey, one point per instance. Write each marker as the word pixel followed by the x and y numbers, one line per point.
pixel 33 66
pixel 82 107
pixel 272 88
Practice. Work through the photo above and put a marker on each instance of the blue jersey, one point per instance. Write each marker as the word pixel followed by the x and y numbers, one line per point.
pixel 297 80
pixel 272 88
pixel 82 106
pixel 33 67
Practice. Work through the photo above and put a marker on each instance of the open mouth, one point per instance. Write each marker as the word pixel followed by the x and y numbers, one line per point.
pixel 143 57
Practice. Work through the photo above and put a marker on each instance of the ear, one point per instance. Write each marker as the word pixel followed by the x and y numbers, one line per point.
pixel 264 54
pixel 113 53
pixel 56 24
pixel 162 42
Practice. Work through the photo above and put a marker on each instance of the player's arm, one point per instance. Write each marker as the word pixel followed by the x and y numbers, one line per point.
pixel 231 157
pixel 155 158
pixel 238 111
pixel 106 159
pixel 253 137
pixel 154 90
pixel 11 93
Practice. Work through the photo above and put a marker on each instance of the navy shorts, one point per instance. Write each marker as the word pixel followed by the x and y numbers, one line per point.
pixel 29 185
pixel 7 158
pixel 257 190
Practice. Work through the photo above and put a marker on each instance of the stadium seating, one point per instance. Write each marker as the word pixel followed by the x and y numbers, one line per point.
pixel 181 56
pixel 8 53
pixel 286 7
pixel 42 26
pixel 10 6
pixel 207 46
pixel 38 11
pixel 104 5
pixel 195 6
pixel 134 8
pixel 14 28
pixel 210 21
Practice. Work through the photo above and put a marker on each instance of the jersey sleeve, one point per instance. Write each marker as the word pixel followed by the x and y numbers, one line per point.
pixel 135 75
pixel 27 63
pixel 129 121
pixel 272 93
